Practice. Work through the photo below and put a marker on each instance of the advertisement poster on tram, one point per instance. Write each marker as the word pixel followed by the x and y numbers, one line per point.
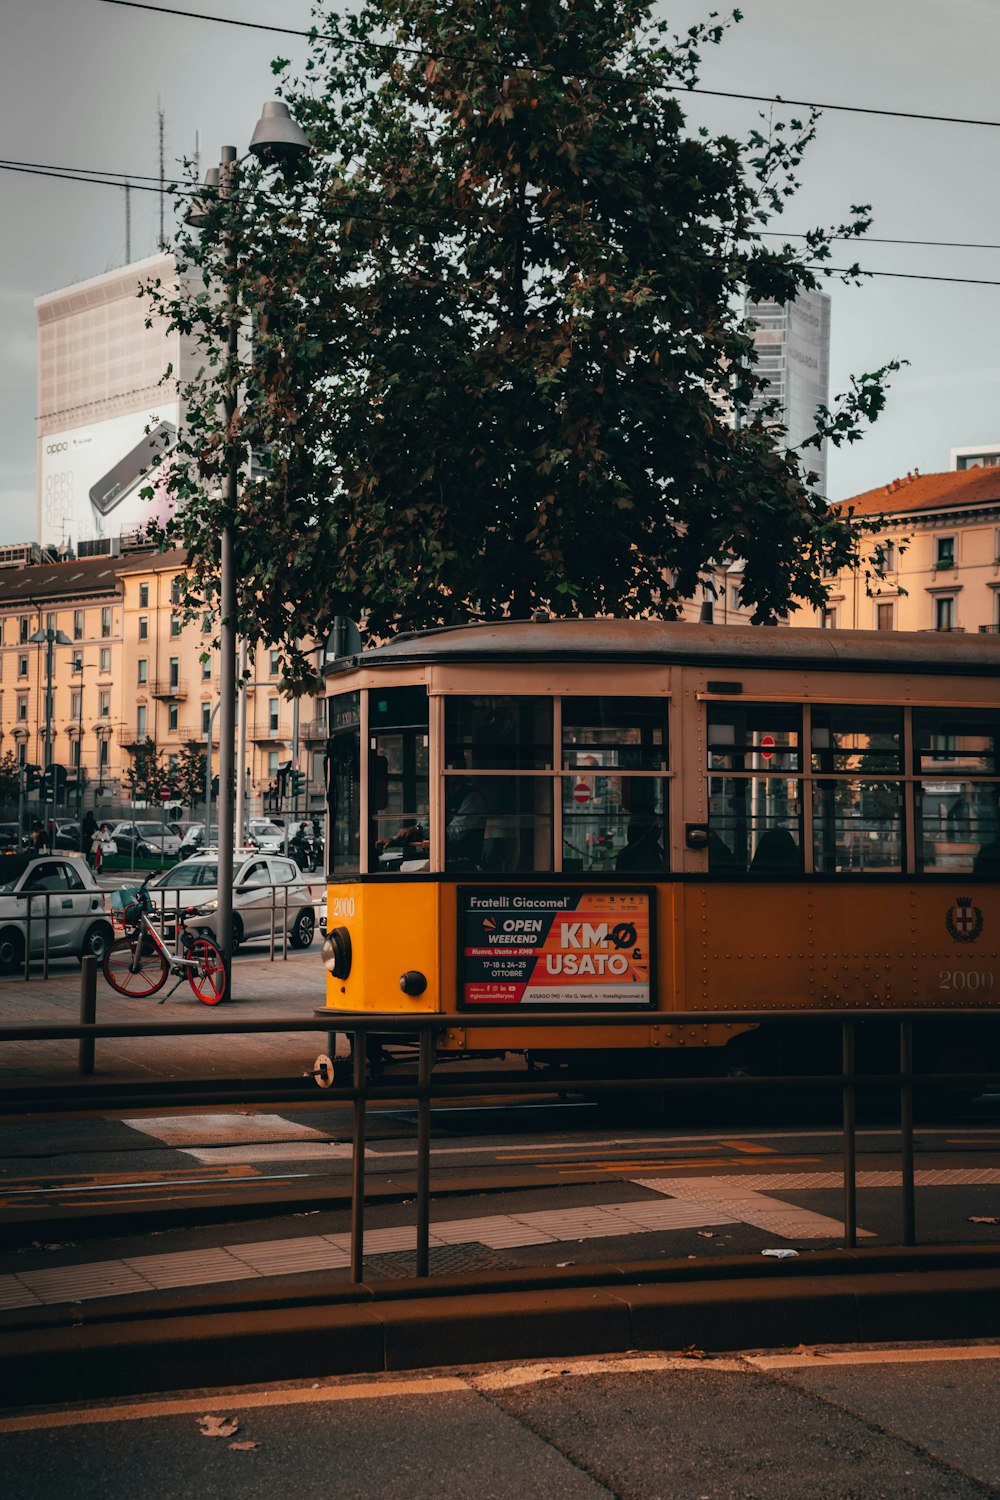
pixel 554 948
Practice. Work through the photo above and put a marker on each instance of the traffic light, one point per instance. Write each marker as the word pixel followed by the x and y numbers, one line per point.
pixel 215 786
pixel 281 780
pixel 53 783
pixel 297 783
pixel 33 778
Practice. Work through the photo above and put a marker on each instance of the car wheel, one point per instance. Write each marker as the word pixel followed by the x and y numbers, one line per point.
pixel 96 942
pixel 303 930
pixel 237 931
pixel 11 950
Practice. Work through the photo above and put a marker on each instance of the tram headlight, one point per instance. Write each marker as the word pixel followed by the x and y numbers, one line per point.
pixel 336 952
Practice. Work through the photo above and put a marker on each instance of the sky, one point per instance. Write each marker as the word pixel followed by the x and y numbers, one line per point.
pixel 79 85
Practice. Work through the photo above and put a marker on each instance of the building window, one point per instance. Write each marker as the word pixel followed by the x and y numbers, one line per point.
pixel 75 704
pixel 944 552
pixel 206 623
pixel 175 591
pixel 50 621
pixel 78 624
pixel 140 721
pixel 22 754
pixel 206 717
pixel 272 762
pixel 22 630
pixel 175 671
pixel 273 714
pixel 104 755
pixel 175 625
pixel 105 659
pixel 22 666
pixel 144 596
pixel 103 706
pixel 75 755
pixel 144 627
pixel 944 614
pixel 105 624
pixel 172 716
pixel 22 706
pixel 828 619
pixel 884 617
pixel 274 665
pixel 143 670
pixel 206 669
pixel 172 763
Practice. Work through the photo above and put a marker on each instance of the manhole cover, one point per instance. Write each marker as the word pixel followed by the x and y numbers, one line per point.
pixel 443 1259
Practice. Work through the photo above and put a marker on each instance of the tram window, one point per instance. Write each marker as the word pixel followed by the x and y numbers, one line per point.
pixel 857 826
pixel 958 827
pixel 343 773
pixel 965 742
pixel 763 737
pixel 754 825
pixel 865 739
pixel 497 823
pixel 613 821
pixel 398 779
pixel 498 733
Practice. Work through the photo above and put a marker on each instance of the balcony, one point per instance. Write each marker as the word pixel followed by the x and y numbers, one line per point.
pixel 989 630
pixel 167 687
pixel 313 729
pixel 263 732
pixel 127 736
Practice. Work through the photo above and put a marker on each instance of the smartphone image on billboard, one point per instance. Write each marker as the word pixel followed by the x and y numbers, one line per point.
pixel 110 490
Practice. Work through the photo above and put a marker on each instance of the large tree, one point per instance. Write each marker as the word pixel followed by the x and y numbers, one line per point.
pixel 499 333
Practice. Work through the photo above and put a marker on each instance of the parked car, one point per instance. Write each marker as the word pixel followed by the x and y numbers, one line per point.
pixel 267 836
pixel 10 838
pixel 77 920
pixel 145 837
pixel 195 882
pixel 67 836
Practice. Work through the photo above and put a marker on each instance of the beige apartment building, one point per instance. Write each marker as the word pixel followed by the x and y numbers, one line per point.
pixel 132 669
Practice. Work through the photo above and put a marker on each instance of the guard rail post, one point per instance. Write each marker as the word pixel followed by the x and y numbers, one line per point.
pixel 906 1131
pixel 27 939
pixel 424 1065
pixel 88 1013
pixel 850 1139
pixel 45 932
pixel 360 1043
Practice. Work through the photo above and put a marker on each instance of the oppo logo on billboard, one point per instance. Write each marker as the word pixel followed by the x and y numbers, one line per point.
pixel 57 447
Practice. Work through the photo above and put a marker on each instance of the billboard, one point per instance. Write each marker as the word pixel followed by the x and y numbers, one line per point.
pixel 554 948
pixel 91 476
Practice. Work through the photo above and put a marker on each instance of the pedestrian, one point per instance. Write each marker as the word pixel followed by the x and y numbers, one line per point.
pixel 99 845
pixel 87 831
pixel 40 837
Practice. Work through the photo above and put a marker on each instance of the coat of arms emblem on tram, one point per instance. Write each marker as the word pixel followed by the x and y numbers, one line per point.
pixel 964 921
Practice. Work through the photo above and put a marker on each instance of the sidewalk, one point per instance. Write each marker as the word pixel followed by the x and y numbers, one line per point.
pixel 295 986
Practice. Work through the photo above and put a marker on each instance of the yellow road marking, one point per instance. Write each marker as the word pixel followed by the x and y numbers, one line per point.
pixel 749 1148
pixel 560 1151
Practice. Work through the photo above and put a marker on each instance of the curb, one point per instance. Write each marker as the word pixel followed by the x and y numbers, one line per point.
pixel 293 1328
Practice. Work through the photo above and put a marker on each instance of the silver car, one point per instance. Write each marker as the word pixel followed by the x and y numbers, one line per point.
pixel 61 885
pixel 130 836
pixel 262 884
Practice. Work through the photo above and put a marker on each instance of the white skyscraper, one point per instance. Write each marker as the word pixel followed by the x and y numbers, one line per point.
pixel 792 341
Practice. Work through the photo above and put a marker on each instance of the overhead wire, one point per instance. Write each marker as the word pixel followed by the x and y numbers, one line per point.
pixel 504 61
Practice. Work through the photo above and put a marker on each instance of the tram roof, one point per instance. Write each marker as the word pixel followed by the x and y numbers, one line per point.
pixel 683 643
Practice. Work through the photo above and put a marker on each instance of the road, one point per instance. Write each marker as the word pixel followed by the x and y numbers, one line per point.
pixel 831 1423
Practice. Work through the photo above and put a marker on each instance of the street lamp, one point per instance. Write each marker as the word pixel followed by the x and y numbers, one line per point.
pixel 276 138
pixel 49 638
pixel 78 670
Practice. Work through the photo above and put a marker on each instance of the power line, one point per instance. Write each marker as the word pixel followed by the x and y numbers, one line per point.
pixel 400 221
pixel 542 68
pixel 99 174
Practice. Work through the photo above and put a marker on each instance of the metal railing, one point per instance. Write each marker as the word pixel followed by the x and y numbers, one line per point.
pixel 168 903
pixel 425 1088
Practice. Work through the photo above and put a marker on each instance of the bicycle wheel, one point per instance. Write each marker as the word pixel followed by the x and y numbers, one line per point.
pixel 149 977
pixel 207 976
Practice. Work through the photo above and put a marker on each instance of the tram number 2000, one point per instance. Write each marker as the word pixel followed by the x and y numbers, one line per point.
pixel 966 979
pixel 342 906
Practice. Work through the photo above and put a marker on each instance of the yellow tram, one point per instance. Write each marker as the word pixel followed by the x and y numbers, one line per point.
pixel 572 816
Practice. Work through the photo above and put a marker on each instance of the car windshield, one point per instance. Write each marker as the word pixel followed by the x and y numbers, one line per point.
pixel 12 867
pixel 150 830
pixel 190 875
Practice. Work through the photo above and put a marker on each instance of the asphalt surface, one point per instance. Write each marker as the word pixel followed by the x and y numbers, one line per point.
pixel 829 1424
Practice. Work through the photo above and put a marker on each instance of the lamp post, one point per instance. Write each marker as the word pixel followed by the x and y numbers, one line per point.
pixel 78 671
pixel 276 138
pixel 49 638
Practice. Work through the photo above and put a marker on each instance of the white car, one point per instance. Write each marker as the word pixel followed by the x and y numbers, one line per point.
pixel 64 886
pixel 261 883
pixel 130 836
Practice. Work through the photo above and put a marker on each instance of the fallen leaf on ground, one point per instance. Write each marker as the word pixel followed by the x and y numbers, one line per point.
pixel 978 1219
pixel 706 1234
pixel 781 1254
pixel 693 1352
pixel 807 1349
pixel 242 1447
pixel 212 1426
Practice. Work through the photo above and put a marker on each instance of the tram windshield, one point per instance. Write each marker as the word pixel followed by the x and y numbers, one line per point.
pixel 398 780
